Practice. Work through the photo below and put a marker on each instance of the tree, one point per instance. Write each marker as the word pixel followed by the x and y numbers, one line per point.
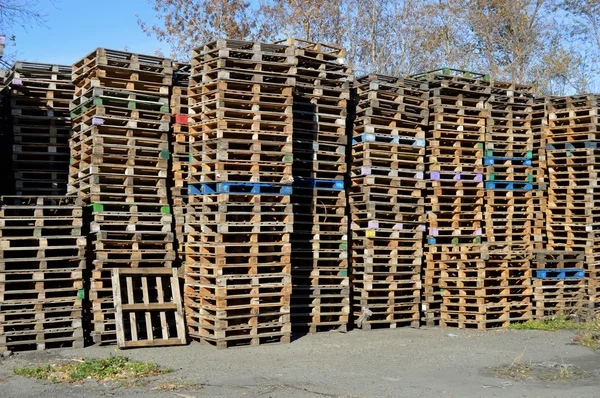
pixel 311 20
pixel 508 35
pixel 19 13
pixel 23 13
pixel 583 25
pixel 448 38
pixel 188 23
pixel 586 22
pixel 522 41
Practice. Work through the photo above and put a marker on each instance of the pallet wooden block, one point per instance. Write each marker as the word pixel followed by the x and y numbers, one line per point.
pixel 148 306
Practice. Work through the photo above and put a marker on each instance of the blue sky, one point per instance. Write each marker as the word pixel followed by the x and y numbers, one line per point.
pixel 75 28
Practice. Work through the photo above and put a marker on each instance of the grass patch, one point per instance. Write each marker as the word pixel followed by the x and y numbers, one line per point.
pixel 516 371
pixel 589 331
pixel 524 371
pixel 588 339
pixel 179 386
pixel 551 325
pixel 113 368
pixel 546 371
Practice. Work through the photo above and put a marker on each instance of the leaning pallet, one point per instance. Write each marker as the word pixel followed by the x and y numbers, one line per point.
pixel 573 159
pixel 37 98
pixel 119 167
pixel 387 201
pixel 321 290
pixel 149 307
pixel 41 272
pixel 239 217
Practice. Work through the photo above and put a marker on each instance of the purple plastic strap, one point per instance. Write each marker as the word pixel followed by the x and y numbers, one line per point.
pixel 17 82
pixel 478 231
pixel 433 231
pixel 419 175
pixel 434 176
pixel 373 224
pixel 457 177
pixel 365 171
pixel 399 226
pixel 478 177
pixel 422 227
pixel 96 121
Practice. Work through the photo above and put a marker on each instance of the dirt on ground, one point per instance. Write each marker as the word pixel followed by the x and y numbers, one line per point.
pixel 384 363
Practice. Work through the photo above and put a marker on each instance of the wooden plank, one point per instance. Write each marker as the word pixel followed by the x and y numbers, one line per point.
pixel 179 322
pixel 148 316
pixel 163 316
pixel 116 283
pixel 132 316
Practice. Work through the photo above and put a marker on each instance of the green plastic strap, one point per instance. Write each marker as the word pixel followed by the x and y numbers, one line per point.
pixel 96 207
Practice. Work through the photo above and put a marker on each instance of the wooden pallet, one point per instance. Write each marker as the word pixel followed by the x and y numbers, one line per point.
pixel 147 301
pixel 559 297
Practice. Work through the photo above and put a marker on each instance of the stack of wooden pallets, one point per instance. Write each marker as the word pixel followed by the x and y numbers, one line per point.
pixel 539 124
pixel 573 158
pixel 239 219
pixel 6 179
pixel 41 272
pixel 455 279
pixel 119 167
pixel 179 150
pixel 321 291
pixel 37 97
pixel 387 201
pixel 559 283
pixel 512 187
